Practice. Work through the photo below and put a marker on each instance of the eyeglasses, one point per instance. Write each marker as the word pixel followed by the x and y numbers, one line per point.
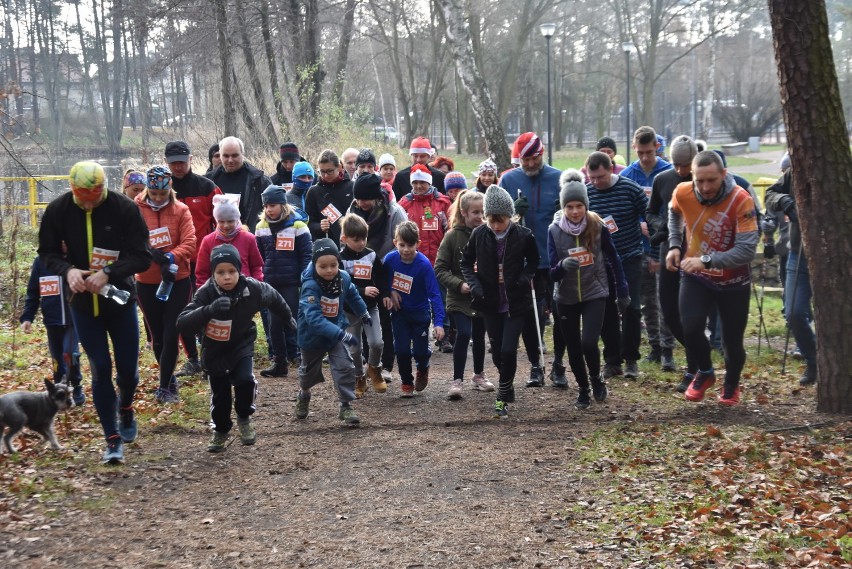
pixel 327 172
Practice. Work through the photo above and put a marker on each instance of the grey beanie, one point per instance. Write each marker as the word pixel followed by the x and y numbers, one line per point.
pixel 785 162
pixel 498 202
pixel 226 210
pixel 572 188
pixel 682 150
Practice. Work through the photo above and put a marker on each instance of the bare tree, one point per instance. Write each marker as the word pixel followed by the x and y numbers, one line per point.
pixel 226 68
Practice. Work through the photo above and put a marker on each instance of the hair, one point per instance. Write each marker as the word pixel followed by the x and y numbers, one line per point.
pixel 497 217
pixel 232 140
pixel 443 161
pixel 353 226
pixel 707 158
pixel 462 203
pixel 286 211
pixel 407 232
pixel 594 225
pixel 644 135
pixel 328 155
pixel 597 159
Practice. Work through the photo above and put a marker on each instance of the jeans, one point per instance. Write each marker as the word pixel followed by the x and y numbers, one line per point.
pixel 468 328
pixel 245 391
pixel 797 306
pixel 65 353
pixel 503 333
pixel 411 338
pixel 121 325
pixel 161 317
pixel 374 340
pixel 581 325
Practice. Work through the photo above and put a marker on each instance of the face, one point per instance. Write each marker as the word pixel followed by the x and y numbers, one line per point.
pixel 498 226
pixel 232 157
pixel 357 244
pixel 180 169
pixel 216 159
pixel 474 215
pixel 349 162
pixel 407 251
pixel 273 210
pixel 327 267
pixel 444 168
pixel 133 190
pixel 366 205
pixel 647 154
pixel 453 193
pixel 226 226
pixel 608 151
pixel 288 165
pixel 532 164
pixel 419 187
pixel 683 170
pixel 226 276
pixel 388 172
pixel 487 178
pixel 328 172
pixel 159 197
pixel 89 205
pixel 601 178
pixel 575 211
pixel 420 158
pixel 306 179
pixel 366 169
pixel 708 180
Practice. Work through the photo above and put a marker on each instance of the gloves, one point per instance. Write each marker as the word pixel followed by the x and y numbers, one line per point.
pixel 661 236
pixel 349 339
pixel 768 250
pixel 521 206
pixel 167 275
pixel 477 292
pixel 219 307
pixel 570 263
pixel 623 304
pixel 159 257
pixel 366 320
pixel 291 325
pixel 789 206
pixel 768 224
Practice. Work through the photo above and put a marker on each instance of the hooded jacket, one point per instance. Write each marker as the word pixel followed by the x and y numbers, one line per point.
pixel 449 272
pixel 285 247
pixel 245 243
pixel 317 330
pixel 48 290
pixel 430 212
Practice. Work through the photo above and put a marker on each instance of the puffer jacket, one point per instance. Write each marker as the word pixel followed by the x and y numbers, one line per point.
pixel 479 266
pixel 284 266
pixel 316 330
pixel 170 230
pixel 449 272
pixel 430 212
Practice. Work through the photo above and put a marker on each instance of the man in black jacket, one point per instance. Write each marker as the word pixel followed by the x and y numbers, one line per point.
pixel 236 176
pixel 421 153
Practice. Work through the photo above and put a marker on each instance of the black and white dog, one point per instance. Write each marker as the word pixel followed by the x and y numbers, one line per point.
pixel 35 411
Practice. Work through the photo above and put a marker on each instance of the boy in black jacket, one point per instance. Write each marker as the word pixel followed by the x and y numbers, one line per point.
pixel 224 309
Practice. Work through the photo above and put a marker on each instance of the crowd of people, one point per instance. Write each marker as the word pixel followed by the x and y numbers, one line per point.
pixel 356 264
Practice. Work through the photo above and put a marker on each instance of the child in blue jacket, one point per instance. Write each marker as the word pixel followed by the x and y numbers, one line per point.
pixel 48 289
pixel 326 292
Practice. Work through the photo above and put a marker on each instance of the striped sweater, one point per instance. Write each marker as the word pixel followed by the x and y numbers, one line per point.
pixel 622 207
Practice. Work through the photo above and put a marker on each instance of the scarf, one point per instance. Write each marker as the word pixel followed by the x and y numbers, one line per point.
pixel 228 237
pixel 154 206
pixel 330 288
pixel 573 228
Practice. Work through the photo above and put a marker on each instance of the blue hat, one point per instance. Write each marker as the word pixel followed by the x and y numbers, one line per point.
pixel 303 169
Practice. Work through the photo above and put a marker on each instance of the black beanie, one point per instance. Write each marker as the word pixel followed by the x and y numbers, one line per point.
pixel 368 187
pixel 213 150
pixel 366 156
pixel 606 142
pixel 289 151
pixel 325 246
pixel 225 253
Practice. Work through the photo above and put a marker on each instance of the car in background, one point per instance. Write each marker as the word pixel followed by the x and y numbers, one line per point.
pixel 386 134
pixel 179 120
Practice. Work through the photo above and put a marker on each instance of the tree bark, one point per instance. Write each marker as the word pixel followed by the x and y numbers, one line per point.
pixel 226 68
pixel 273 68
pixel 486 114
pixel 264 116
pixel 343 52
pixel 822 177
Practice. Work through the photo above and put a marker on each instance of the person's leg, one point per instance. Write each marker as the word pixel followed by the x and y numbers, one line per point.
pixel 732 308
pixel 342 372
pixel 355 328
pixel 611 336
pixel 375 345
pixel 171 309
pixel 71 355
pixel 291 297
pixel 568 317
pixel 388 354
pixel 123 329
pixel 464 329
pixel 220 402
pixel 478 337
pixel 695 306
pixel 494 324
pixel 264 319
pixel 592 317
pixel 650 311
pixel 509 354
pixel 402 347
pixel 245 389
pixel 631 320
pixel 421 349
pixel 152 312
pixel 798 311
pixel 188 339
pixel 55 345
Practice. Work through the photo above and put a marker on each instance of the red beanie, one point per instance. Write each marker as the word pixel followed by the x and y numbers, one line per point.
pixel 529 144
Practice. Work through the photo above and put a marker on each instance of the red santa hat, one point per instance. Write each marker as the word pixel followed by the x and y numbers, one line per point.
pixel 420 145
pixel 516 156
pixel 529 144
pixel 420 173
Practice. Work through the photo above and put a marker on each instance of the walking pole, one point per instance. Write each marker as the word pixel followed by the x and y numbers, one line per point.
pixel 537 327
pixel 787 314
pixel 759 302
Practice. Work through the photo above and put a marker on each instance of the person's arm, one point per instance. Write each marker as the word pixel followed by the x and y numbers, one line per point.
pixel 556 272
pixel 202 263
pixel 314 215
pixel 304 248
pixel 653 215
pixel 33 299
pixel 434 294
pixel 187 244
pixel 531 260
pixel 194 316
pixel 779 196
pixel 467 262
pixel 272 300
pixel 745 241
pixel 255 260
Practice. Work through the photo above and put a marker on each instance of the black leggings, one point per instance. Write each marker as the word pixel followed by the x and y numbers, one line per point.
pixel 468 328
pixel 503 334
pixel 581 325
pixel 668 289
pixel 696 302
pixel 162 318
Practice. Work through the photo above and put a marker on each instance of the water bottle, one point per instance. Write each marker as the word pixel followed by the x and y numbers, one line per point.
pixel 165 288
pixel 111 292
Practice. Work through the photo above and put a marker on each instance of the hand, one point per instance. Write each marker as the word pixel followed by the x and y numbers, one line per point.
pixel 349 339
pixel 521 206
pixel 439 333
pixel 26 326
pixel 464 288
pixel 96 281
pixel 789 206
pixel 653 266
pixel 570 264
pixel 692 265
pixel 768 224
pixel 623 304
pixel 219 307
pixel 768 250
pixel 324 224
pixel 291 325
pixel 159 257
pixel 371 291
pixel 673 260
pixel 166 274
pixel 477 292
pixel 396 301
pixel 643 226
pixel 366 320
pixel 76 280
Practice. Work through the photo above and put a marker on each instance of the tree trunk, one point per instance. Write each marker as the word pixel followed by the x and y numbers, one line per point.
pixel 277 88
pixel 225 67
pixel 486 114
pixel 264 116
pixel 822 176
pixel 343 52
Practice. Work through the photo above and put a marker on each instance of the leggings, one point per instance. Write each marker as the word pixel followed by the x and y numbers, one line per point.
pixel 581 325
pixel 65 353
pixel 504 331
pixel 468 328
pixel 669 291
pixel 161 317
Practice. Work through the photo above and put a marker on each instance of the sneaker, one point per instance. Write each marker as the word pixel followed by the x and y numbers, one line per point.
pixel 279 368
pixel 701 383
pixel 348 416
pixel 557 376
pixel 809 377
pixel 302 404
pixel 127 428
pixel 360 386
pixel 166 395
pixel 190 367
pixel 406 390
pixel 387 376
pixel 421 379
pixel 631 370
pixel 480 383
pixel 536 377
pixel 684 382
pixel 375 375
pixel 501 410
pixel 729 397
pixel 248 435
pixel 611 370
pixel 667 361
pixel 217 443
pixel 583 400
pixel 446 346
pixel 508 396
pixel 455 391
pixel 295 362
pixel 600 391
pixel 655 355
pixel 78 395
pixel 114 453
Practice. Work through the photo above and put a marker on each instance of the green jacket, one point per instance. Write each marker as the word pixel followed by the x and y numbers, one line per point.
pixel 448 270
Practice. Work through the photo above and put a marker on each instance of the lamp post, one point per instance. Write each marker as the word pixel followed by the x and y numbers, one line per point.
pixel 547 30
pixel 628 47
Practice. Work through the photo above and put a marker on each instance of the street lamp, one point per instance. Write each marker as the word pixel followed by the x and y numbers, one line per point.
pixel 547 30
pixel 628 47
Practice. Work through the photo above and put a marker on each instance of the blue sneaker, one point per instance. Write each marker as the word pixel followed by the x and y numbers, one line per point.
pixel 127 425
pixel 78 395
pixel 114 453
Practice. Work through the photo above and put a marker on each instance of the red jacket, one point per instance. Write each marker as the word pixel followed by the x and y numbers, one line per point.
pixel 430 212
pixel 170 230
pixel 245 243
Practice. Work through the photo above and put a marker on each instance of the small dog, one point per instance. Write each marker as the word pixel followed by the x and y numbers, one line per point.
pixel 33 410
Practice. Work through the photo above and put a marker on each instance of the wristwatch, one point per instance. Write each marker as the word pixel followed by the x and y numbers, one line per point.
pixel 107 270
pixel 706 260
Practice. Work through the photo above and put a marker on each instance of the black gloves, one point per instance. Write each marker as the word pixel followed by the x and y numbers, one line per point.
pixel 570 263
pixel 768 250
pixel 167 274
pixel 159 257
pixel 660 236
pixel 366 320
pixel 219 307
pixel 623 304
pixel 788 204
pixel 521 206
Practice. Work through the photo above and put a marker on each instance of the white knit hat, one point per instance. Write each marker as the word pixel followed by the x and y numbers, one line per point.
pixel 386 159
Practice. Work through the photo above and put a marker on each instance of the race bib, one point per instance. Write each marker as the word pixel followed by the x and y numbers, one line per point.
pixel 362 270
pixel 101 258
pixel 647 191
pixel 287 187
pixel 159 237
pixel 49 286
pixel 582 255
pixel 430 224
pixel 610 224
pixel 286 240
pixel 402 282
pixel 331 213
pixel 233 198
pixel 330 306
pixel 219 330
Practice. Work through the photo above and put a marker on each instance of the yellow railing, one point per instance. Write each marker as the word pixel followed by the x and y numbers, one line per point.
pixel 33 205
